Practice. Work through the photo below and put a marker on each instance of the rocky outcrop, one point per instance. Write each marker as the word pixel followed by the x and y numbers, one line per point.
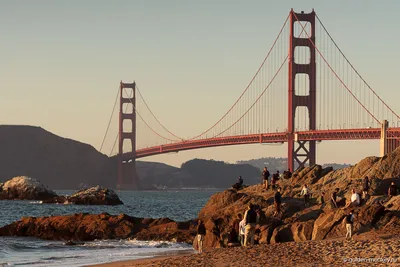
pixel 87 227
pixel 320 221
pixel 26 188
pixel 23 187
pixel 95 196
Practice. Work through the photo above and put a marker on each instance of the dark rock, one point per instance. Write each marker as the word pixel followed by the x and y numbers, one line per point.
pixel 88 227
pixel 23 187
pixel 95 196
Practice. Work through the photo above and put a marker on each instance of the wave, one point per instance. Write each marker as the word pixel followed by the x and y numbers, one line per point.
pixel 133 243
pixel 62 258
pixel 36 202
pixel 21 244
pixel 29 263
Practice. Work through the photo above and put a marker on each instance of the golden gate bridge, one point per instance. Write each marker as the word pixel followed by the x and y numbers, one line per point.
pixel 305 91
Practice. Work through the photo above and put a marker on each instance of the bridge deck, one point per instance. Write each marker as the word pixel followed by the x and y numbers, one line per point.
pixel 281 137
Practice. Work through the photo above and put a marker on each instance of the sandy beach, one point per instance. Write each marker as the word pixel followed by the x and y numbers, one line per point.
pixel 363 250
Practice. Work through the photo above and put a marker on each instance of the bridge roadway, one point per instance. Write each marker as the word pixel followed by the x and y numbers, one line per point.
pixel 281 137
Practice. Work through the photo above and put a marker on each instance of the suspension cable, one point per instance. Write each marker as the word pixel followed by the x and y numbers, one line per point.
pixel 144 101
pixel 137 112
pixel 355 69
pixel 265 89
pixel 337 76
pixel 248 86
pixel 109 122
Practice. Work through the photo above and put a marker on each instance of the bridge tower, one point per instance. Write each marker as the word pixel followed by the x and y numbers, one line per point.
pixel 301 152
pixel 127 175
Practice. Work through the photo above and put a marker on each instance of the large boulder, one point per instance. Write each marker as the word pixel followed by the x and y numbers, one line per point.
pixel 23 187
pixel 95 196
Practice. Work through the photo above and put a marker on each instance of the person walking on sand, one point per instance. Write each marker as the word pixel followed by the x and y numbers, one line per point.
pixel 306 193
pixel 251 220
pixel 365 187
pixel 349 225
pixel 334 197
pixel 201 232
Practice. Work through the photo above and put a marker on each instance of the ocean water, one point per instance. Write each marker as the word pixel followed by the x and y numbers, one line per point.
pixel 180 205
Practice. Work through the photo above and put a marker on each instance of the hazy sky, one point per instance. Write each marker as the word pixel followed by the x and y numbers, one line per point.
pixel 61 63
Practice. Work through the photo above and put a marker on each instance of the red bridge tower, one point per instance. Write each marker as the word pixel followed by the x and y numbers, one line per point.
pixel 301 152
pixel 127 175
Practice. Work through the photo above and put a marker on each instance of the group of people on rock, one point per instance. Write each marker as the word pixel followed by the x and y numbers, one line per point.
pixel 243 228
pixel 269 181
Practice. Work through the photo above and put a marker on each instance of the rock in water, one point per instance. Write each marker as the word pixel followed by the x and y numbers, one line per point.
pixel 23 187
pixel 88 227
pixel 95 196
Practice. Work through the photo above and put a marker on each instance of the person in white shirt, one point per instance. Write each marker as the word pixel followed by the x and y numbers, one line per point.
pixel 355 199
pixel 242 227
pixel 306 193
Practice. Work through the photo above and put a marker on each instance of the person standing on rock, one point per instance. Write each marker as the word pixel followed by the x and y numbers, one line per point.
pixel 277 202
pixel 349 225
pixel 334 197
pixel 265 177
pixel 365 188
pixel 240 181
pixel 251 220
pixel 201 232
pixel 355 199
pixel 275 178
pixel 306 193
pixel 393 190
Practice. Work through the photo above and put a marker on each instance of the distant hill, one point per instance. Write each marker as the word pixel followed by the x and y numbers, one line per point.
pixel 280 164
pixel 59 163
pixel 210 173
pixel 62 163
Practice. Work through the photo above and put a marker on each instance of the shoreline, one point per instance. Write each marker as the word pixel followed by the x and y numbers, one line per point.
pixel 363 249
pixel 155 257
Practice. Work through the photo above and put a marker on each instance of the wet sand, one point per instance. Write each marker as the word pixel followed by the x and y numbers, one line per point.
pixel 364 250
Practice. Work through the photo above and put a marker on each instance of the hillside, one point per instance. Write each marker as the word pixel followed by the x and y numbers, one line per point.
pixel 62 163
pixel 58 162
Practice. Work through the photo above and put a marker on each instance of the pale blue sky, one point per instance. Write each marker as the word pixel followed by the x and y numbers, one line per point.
pixel 61 62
